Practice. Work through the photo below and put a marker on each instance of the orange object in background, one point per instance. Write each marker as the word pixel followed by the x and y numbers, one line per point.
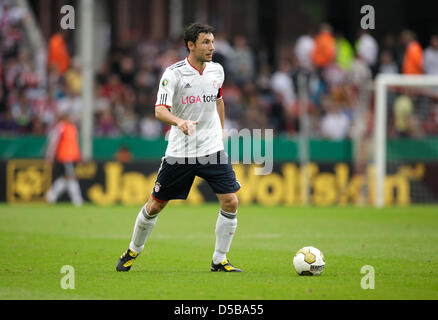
pixel 413 60
pixel 58 55
pixel 68 146
pixel 123 155
pixel 325 49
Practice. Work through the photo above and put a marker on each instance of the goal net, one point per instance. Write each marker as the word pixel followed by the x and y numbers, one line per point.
pixel 405 146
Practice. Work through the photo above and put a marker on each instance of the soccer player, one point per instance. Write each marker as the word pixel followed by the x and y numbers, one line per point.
pixel 190 100
pixel 63 152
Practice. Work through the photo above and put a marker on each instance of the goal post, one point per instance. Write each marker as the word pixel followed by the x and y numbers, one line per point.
pixel 304 135
pixel 87 56
pixel 383 81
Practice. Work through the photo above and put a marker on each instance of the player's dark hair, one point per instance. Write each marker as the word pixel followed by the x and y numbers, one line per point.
pixel 192 32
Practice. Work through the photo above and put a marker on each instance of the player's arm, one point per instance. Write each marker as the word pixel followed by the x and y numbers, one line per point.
pixel 220 106
pixel 163 114
pixel 165 102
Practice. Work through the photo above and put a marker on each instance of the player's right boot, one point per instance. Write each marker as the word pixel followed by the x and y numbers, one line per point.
pixel 126 260
pixel 225 266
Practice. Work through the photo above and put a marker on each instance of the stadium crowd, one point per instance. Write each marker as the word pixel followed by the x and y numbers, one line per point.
pixel 257 94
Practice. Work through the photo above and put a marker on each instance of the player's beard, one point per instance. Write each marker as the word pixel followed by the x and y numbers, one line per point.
pixel 208 58
pixel 205 58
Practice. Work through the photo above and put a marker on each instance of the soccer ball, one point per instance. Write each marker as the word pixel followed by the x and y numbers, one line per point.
pixel 309 261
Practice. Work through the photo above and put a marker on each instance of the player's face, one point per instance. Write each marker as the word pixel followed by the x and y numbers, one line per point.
pixel 204 47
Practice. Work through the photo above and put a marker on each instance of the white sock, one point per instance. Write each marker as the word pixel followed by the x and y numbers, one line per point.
pixel 225 227
pixel 57 189
pixel 75 192
pixel 142 230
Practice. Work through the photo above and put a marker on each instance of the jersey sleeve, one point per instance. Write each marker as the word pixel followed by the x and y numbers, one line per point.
pixel 219 93
pixel 166 90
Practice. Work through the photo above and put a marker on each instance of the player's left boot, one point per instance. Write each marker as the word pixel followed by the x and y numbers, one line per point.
pixel 126 260
pixel 224 266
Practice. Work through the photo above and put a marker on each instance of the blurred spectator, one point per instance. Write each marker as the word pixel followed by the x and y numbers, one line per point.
pixel 367 48
pixel 27 78
pixel 335 125
pixel 224 52
pixel 304 47
pixel 73 77
pixel 277 115
pixel 102 73
pixel 127 71
pixel 242 64
pixel 150 127
pixel 113 88
pixel 344 52
pixel 263 80
pixel 255 119
pixel 127 122
pixel 71 103
pixel 282 84
pixel 101 102
pixel 167 58
pixel 8 124
pixel 37 126
pixel 46 109
pixel 21 112
pixel 58 55
pixel 55 82
pixel 250 95
pixel 333 76
pixel 145 79
pixel 413 58
pixel 235 110
pixel 360 72
pixel 10 33
pixel 403 116
pixel 106 124
pixel 387 64
pixel 431 56
pixel 396 49
pixel 324 52
pixel 148 48
pixel 10 15
pixel 11 73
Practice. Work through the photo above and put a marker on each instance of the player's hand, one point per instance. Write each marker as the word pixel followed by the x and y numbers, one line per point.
pixel 187 126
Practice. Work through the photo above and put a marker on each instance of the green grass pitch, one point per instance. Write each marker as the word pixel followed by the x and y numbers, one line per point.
pixel 37 241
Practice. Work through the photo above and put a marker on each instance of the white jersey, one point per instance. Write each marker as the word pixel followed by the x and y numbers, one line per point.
pixel 191 94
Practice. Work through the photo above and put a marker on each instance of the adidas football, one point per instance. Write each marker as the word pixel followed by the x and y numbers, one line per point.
pixel 309 261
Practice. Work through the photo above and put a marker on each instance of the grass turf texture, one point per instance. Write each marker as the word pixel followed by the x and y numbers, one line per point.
pixel 400 243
